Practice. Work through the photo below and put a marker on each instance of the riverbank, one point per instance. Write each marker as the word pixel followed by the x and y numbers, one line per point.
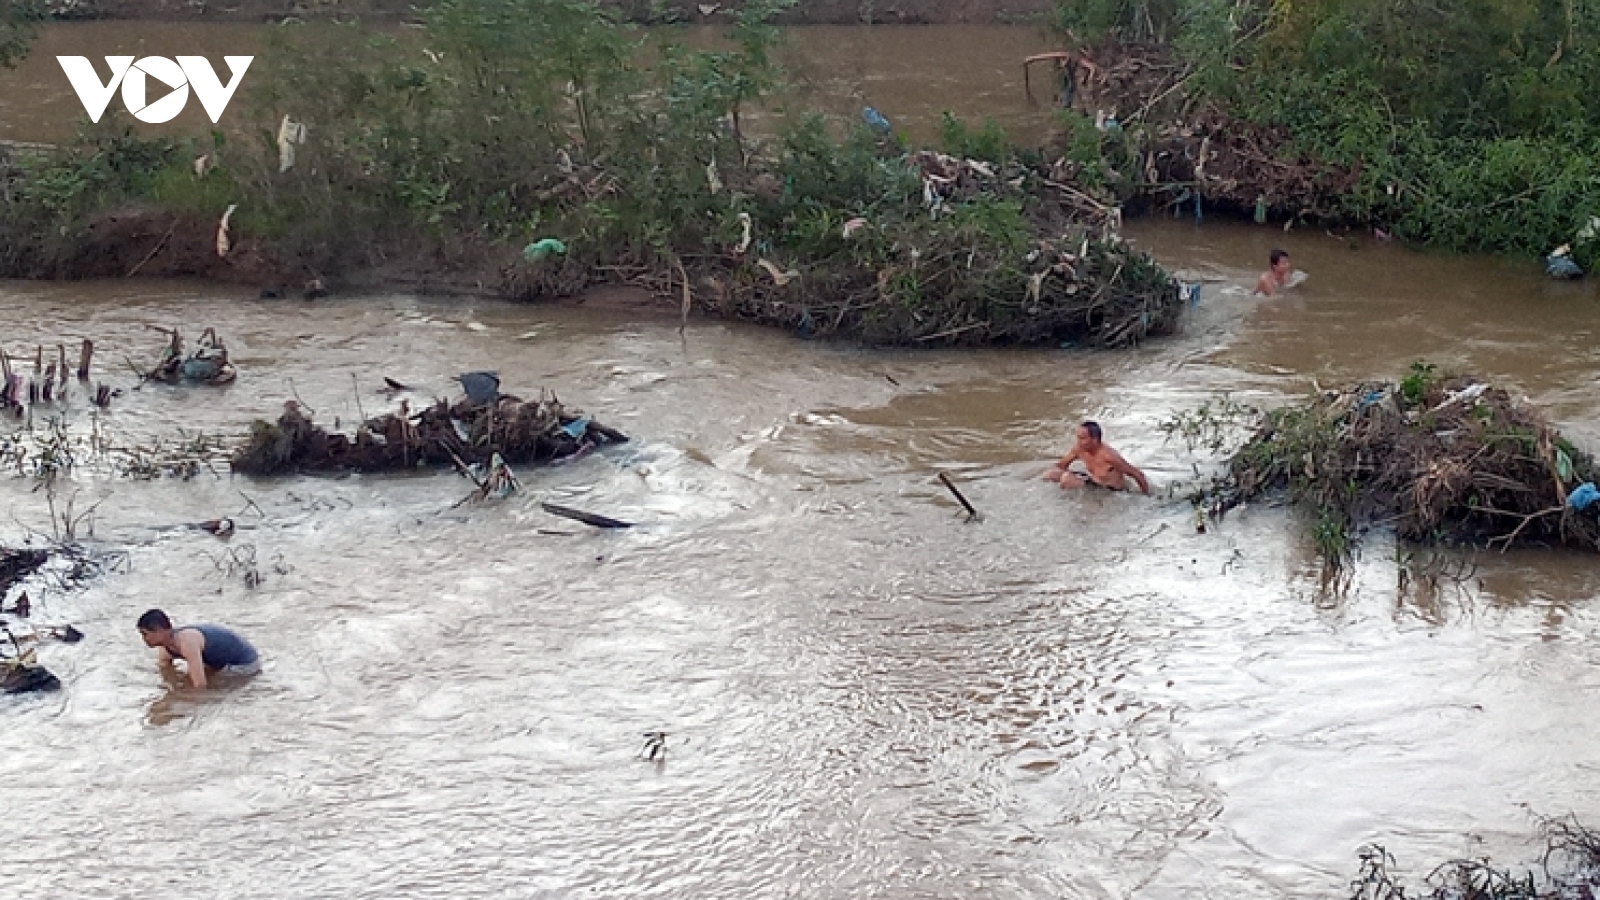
pixel 411 168
pixel 1315 118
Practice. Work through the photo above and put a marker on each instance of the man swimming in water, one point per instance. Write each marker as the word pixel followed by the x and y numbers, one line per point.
pixel 205 649
pixel 1279 276
pixel 1105 466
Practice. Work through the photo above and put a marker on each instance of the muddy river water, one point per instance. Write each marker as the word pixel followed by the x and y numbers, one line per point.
pixel 1078 696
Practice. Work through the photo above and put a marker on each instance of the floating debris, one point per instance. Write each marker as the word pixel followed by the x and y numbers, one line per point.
pixel 586 518
pixel 220 527
pixel 208 364
pixel 22 673
pixel 1440 460
pixel 499 483
pixel 482 387
pixel 463 434
pixel 16 565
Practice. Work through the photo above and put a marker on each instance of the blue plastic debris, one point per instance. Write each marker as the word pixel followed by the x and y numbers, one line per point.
pixel 1583 495
pixel 200 368
pixel 875 120
pixel 576 428
pixel 481 387
pixel 1561 266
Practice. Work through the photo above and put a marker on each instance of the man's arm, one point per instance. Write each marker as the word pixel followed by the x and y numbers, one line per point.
pixel 1133 472
pixel 1064 463
pixel 1264 284
pixel 192 644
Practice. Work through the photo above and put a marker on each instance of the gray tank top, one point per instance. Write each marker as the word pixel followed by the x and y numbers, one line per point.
pixel 224 647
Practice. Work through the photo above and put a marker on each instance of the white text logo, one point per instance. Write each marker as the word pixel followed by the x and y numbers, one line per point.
pixel 133 77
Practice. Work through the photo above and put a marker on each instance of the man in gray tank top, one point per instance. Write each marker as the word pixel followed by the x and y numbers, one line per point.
pixel 205 649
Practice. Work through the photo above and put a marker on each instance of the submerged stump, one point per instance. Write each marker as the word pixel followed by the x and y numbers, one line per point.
pixel 540 432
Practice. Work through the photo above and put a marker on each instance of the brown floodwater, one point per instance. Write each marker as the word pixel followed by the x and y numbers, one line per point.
pixel 1078 696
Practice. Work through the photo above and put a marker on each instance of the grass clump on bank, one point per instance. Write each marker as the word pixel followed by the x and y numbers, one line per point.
pixel 1439 460
pixel 501 123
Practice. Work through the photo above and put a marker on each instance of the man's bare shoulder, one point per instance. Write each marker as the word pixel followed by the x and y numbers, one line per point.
pixel 1106 452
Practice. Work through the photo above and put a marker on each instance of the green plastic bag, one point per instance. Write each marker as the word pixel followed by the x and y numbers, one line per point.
pixel 542 248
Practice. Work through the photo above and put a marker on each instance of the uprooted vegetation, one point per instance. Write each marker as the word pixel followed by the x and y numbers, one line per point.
pixel 540 432
pixel 1439 460
pixel 1570 871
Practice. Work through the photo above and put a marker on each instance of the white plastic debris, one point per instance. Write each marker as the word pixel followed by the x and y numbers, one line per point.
pixel 779 276
pixel 290 133
pixel 222 231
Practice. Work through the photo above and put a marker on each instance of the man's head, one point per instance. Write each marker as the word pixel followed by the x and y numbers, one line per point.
pixel 155 628
pixel 1280 262
pixel 1089 435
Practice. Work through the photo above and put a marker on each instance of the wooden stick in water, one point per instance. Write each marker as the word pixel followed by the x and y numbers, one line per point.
pixel 972 514
pixel 84 357
pixel 584 517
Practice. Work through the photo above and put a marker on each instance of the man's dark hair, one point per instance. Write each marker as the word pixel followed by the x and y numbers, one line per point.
pixel 154 620
pixel 1277 255
pixel 1093 428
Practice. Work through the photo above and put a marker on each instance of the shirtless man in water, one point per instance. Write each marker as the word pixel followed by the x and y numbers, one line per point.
pixel 1278 276
pixel 1106 467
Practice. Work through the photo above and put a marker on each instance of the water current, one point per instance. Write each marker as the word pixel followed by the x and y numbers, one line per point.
pixel 865 696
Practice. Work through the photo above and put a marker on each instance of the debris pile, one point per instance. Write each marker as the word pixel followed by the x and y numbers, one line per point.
pixel 1186 156
pixel 541 432
pixel 20 671
pixel 16 565
pixel 208 364
pixel 994 253
pixel 1439 460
